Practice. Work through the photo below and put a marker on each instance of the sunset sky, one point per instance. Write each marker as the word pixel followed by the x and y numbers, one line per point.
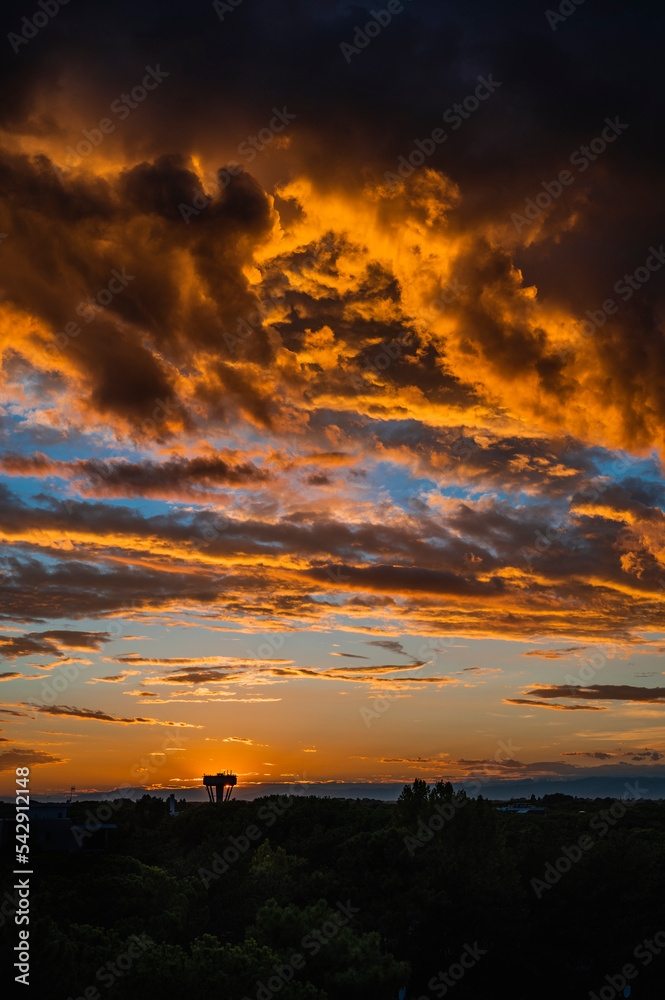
pixel 332 392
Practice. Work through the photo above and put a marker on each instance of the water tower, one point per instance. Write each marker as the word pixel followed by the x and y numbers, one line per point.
pixel 220 785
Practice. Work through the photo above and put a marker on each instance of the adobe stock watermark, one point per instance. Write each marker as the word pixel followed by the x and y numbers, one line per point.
pixel 454 116
pixel 108 973
pixel 104 811
pixel 30 26
pixel 156 759
pixel 209 533
pixel 389 352
pixel 444 812
pixel 380 19
pixel 589 669
pixel 451 291
pixel 645 952
pixel 89 308
pixel 249 324
pixel 565 9
pixel 162 411
pixel 312 943
pixel 581 158
pixel 249 149
pixel 542 541
pixel 444 981
pixel 238 846
pixel 121 107
pixel 222 8
pixel 59 682
pixel 625 288
pixel 601 823
pixel 274 642
pixel 616 468
pixel 95 821
pixel 379 706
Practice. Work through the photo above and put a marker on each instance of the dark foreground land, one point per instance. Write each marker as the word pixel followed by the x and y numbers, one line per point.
pixel 304 898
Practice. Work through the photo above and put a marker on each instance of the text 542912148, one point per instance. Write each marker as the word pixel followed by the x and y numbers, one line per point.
pixel 22 885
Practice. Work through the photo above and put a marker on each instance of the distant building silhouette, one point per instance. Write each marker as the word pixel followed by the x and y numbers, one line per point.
pixel 521 807
pixel 52 829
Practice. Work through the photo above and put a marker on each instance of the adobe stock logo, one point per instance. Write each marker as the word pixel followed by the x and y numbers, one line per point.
pixel 617 985
pixel 581 158
pixel 363 36
pixel 454 116
pixel 31 25
pixel 121 108
pixel 566 8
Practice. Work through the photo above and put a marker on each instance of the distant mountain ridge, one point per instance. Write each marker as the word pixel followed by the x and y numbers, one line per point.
pixel 627 786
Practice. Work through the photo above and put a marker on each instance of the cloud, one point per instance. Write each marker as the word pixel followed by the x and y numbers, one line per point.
pixel 11 759
pixel 443 767
pixel 413 760
pixel 191 661
pixel 63 662
pixel 545 704
pixel 184 479
pixel 115 678
pixel 391 644
pixel 653 755
pixel 200 698
pixel 165 560
pixel 51 642
pixel 418 440
pixel 555 654
pixel 262 672
pixel 479 670
pixel 98 715
pixel 602 692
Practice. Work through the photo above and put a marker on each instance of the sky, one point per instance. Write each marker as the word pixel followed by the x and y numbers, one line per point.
pixel 332 413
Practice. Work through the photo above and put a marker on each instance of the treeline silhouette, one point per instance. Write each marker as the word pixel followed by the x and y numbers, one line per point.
pixel 439 894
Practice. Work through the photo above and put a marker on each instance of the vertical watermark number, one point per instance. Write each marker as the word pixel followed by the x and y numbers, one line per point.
pixel 22 885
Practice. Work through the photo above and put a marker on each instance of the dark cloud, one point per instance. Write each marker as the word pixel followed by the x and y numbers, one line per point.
pixel 51 642
pixel 392 644
pixel 186 478
pixel 97 715
pixel 357 401
pixel 11 759
pixel 545 704
pixel 479 556
pixel 554 654
pixel 602 692
pixel 252 672
pixel 574 254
